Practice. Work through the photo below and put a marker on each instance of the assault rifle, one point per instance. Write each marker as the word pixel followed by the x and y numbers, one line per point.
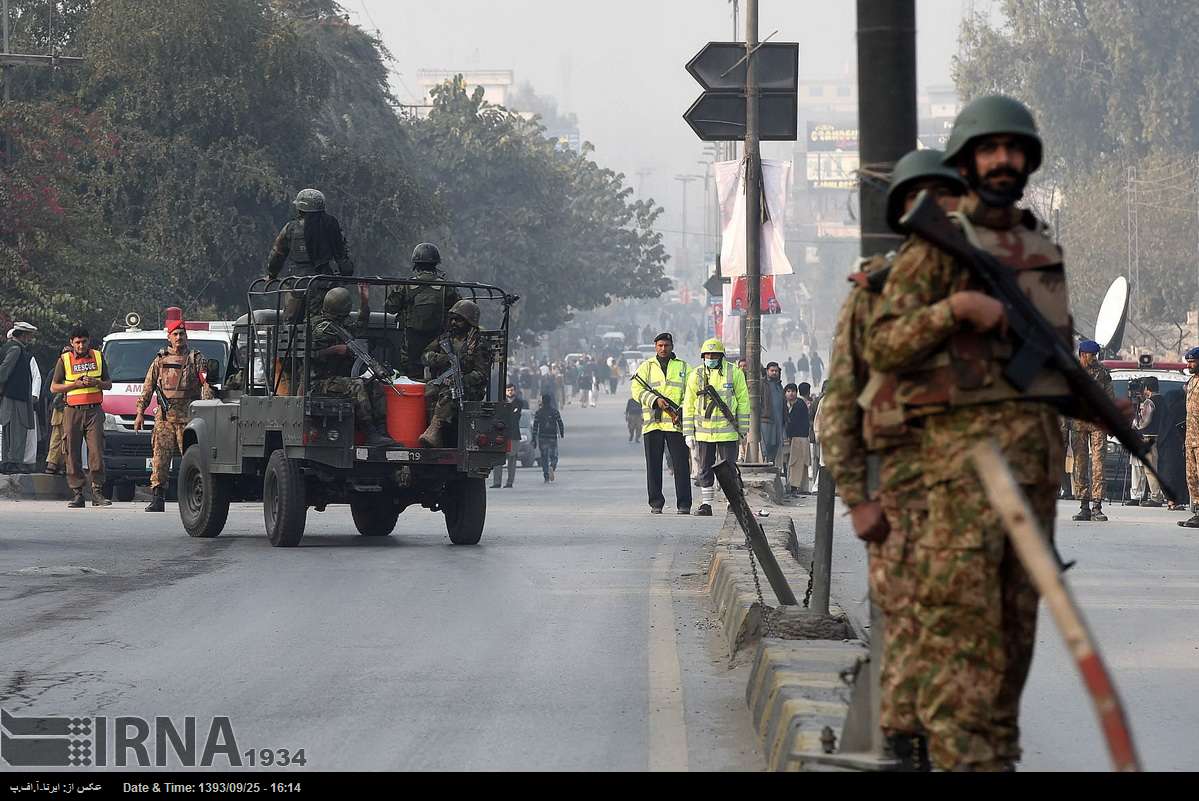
pixel 378 371
pixel 1038 345
pixel 452 376
pixel 673 410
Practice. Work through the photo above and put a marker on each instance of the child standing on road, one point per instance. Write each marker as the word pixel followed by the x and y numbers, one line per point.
pixel 547 429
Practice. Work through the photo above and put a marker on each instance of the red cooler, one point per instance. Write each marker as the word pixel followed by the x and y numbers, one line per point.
pixel 406 419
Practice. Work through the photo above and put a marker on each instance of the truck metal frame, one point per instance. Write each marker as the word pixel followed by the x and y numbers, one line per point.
pixel 275 441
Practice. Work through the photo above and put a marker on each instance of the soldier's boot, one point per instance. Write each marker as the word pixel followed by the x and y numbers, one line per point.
pixel 377 439
pixel 98 498
pixel 1084 513
pixel 77 501
pixel 157 501
pixel 1193 520
pixel 1097 512
pixel 905 747
pixel 432 436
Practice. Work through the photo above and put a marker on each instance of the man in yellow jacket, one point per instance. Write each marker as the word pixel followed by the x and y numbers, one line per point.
pixel 715 415
pixel 659 385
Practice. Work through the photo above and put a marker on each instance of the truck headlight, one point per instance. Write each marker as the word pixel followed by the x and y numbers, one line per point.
pixel 112 422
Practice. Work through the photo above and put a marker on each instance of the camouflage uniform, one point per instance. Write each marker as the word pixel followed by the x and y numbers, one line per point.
pixel 851 437
pixel 975 606
pixel 1083 434
pixel 423 311
pixel 1191 443
pixel 290 244
pixel 475 360
pixel 167 436
pixel 331 374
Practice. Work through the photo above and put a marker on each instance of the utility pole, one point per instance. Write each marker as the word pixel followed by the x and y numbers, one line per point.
pixel 686 260
pixel 641 181
pixel 752 350
pixel 887 123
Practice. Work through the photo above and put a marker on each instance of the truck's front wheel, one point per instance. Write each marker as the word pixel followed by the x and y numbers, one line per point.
pixel 283 502
pixel 465 509
pixel 374 513
pixel 203 497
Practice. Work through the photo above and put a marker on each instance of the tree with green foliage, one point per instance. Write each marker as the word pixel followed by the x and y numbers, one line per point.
pixel 552 225
pixel 1112 85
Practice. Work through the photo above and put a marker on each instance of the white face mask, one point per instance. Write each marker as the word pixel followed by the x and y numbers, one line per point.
pixel 712 363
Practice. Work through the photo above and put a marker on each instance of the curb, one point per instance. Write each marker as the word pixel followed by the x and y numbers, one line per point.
pixel 796 690
pixel 731 585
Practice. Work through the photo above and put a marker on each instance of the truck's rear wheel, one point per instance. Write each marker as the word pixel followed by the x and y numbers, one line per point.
pixel 465 509
pixel 374 513
pixel 283 502
pixel 203 497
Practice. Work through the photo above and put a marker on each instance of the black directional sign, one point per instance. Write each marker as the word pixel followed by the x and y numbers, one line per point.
pixel 720 116
pixel 714 285
pixel 719 113
pixel 778 66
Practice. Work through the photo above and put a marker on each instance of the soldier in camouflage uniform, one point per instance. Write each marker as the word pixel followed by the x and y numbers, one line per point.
pixel 1191 440
pixel 974 603
pixel 474 358
pixel 180 374
pixel 332 362
pixel 422 308
pixel 863 423
pixel 1084 434
pixel 314 244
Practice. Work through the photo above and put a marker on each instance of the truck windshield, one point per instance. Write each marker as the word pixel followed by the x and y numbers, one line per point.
pixel 129 359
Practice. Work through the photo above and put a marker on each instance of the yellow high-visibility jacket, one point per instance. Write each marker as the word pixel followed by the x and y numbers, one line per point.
pixel 702 418
pixel 672 384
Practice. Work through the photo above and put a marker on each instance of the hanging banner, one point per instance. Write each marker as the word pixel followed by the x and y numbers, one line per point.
pixel 730 187
pixel 715 318
pixel 737 297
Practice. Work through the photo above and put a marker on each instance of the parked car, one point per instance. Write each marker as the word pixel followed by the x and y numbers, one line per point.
pixel 1117 470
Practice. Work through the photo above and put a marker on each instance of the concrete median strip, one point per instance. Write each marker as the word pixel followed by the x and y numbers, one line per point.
pixel 796 688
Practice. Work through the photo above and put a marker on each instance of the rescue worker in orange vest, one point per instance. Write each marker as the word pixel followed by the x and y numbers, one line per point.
pixel 178 375
pixel 83 376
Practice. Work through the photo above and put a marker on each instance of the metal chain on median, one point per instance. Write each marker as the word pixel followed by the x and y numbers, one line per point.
pixel 769 614
pixel 807 596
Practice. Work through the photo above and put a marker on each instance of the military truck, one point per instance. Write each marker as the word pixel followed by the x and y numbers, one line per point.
pixel 267 438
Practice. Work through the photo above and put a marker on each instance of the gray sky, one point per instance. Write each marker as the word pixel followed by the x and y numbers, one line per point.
pixel 618 64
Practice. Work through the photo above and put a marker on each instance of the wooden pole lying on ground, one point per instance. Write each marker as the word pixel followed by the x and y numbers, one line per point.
pixel 1035 554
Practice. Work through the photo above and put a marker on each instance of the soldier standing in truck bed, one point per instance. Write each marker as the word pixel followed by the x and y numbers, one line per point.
pixel 422 308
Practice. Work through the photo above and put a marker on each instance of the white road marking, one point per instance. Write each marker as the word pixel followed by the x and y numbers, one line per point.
pixel 667 722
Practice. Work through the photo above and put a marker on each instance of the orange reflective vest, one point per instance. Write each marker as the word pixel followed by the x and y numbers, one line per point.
pixel 74 368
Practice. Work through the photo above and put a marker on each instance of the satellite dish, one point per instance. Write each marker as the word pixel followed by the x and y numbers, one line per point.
pixel 1113 314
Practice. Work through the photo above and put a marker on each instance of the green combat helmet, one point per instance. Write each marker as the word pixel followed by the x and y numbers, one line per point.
pixel 337 302
pixel 309 200
pixel 426 256
pixel 994 114
pixel 468 310
pixel 919 165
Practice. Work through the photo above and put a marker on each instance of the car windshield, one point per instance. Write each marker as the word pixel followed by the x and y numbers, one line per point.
pixel 129 359
pixel 1120 385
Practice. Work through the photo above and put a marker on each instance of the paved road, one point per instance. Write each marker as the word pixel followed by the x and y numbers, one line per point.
pixel 575 637
pixel 1137 580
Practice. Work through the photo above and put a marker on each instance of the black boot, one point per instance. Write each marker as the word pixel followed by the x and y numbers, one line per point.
pixel 911 750
pixel 158 502
pixel 377 439
pixel 77 502
pixel 98 498
pixel 1193 520
pixel 1097 512
pixel 1084 514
